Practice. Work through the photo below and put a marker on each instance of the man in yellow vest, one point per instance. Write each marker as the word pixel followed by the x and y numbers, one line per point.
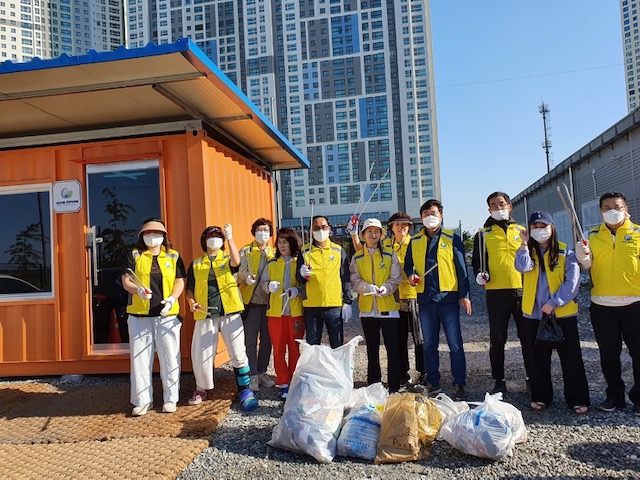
pixel 494 253
pixel 613 255
pixel 435 265
pixel 323 270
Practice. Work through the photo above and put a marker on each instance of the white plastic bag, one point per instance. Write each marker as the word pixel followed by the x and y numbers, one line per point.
pixel 448 407
pixel 321 386
pixel 374 394
pixel 489 431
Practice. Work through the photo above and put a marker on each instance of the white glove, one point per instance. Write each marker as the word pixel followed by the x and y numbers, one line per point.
pixel 250 280
pixel 292 292
pixel 305 271
pixel 228 233
pixel 352 226
pixel 346 312
pixel 373 289
pixel 482 278
pixel 273 286
pixel 144 293
pixel 582 250
pixel 382 291
pixel 168 305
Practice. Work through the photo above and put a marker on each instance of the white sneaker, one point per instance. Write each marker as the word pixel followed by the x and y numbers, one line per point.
pixel 141 410
pixel 265 380
pixel 254 384
pixel 168 407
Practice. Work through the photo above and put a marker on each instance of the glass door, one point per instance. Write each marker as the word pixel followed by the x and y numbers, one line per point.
pixel 120 196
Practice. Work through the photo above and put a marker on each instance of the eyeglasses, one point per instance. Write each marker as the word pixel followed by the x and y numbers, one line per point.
pixel 323 227
pixel 263 229
pixel 499 206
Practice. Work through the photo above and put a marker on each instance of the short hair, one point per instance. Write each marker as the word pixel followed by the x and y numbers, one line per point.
pixel 430 203
pixel 498 194
pixel 259 222
pixel 320 216
pixel 292 238
pixel 211 232
pixel 607 195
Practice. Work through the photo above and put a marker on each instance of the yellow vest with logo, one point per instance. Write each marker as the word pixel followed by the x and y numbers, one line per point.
pixel 227 285
pixel 447 275
pixel 382 269
pixel 405 290
pixel 167 261
pixel 276 301
pixel 502 247
pixel 554 279
pixel 616 268
pixel 253 254
pixel 324 288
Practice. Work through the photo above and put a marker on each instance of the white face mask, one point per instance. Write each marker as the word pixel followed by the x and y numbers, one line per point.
pixel 152 239
pixel 321 235
pixel 498 215
pixel 262 237
pixel 541 235
pixel 214 243
pixel 614 217
pixel 431 221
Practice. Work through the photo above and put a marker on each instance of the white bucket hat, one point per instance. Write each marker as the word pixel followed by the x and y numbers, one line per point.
pixel 373 222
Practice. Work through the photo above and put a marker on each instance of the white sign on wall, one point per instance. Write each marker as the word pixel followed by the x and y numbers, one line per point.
pixel 67 196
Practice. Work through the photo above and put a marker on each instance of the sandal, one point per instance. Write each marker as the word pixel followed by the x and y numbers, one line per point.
pixel 580 409
pixel 538 406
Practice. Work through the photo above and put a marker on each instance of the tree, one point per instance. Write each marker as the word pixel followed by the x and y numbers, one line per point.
pixel 467 241
pixel 24 252
pixel 118 240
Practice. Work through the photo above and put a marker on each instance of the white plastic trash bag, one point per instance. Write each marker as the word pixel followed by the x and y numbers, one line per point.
pixel 488 431
pixel 449 407
pixel 321 386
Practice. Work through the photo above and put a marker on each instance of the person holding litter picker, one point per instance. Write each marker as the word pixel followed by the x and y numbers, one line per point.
pixel 154 277
pixel 551 281
pixel 214 299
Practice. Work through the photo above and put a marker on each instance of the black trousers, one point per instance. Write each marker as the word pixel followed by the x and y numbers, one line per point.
pixel 371 326
pixel 403 337
pixel 611 326
pixel 576 390
pixel 500 310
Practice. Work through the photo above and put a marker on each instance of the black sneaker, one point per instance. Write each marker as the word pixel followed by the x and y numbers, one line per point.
pixel 460 393
pixel 609 405
pixel 500 387
pixel 636 409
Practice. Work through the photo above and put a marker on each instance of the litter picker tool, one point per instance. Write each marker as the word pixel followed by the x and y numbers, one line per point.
pixel 482 247
pixel 571 213
pixel 136 280
pixel 430 270
pixel 374 191
pixel 286 302
pixel 199 310
pixel 355 217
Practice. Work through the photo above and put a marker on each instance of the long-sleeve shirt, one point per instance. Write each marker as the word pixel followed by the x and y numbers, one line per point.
pixel 567 291
pixel 362 286
pixel 432 291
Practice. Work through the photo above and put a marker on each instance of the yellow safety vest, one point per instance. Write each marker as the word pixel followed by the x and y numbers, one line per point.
pixel 405 290
pixel 615 270
pixel 324 289
pixel 502 247
pixel 276 273
pixel 227 285
pixel 167 261
pixel 253 254
pixel 554 279
pixel 382 269
pixel 447 276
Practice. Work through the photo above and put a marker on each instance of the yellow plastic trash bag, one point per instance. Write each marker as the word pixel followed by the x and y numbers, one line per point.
pixel 409 425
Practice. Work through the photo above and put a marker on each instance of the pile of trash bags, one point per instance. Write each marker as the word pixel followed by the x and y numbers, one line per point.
pixel 325 416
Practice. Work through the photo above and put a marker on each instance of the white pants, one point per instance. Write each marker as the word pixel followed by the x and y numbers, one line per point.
pixel 205 344
pixel 164 334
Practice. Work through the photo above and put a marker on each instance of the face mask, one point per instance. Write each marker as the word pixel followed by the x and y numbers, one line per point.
pixel 498 215
pixel 614 217
pixel 153 239
pixel 321 235
pixel 431 221
pixel 214 243
pixel 262 237
pixel 541 235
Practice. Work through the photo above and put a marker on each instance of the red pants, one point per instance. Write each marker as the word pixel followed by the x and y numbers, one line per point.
pixel 284 331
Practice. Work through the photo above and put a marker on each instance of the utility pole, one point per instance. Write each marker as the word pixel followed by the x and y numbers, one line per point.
pixel 544 111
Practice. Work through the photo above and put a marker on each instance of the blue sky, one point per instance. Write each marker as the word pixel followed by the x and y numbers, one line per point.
pixel 494 62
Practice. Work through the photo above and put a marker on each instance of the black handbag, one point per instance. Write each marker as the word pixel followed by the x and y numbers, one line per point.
pixel 550 333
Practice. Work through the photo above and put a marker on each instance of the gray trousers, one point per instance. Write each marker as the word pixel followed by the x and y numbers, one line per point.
pixel 256 337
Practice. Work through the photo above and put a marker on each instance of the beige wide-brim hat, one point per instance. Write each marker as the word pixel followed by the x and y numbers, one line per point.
pixel 153 226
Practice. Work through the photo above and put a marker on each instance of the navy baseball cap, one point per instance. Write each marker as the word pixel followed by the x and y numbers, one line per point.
pixel 542 217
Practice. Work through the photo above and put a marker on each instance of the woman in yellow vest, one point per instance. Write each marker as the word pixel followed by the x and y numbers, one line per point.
pixel 154 277
pixel 214 299
pixel 550 285
pixel 375 276
pixel 286 323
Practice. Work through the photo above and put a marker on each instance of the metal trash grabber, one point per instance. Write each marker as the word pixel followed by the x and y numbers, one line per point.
pixel 571 213
pixel 355 217
pixel 430 270
pixel 136 281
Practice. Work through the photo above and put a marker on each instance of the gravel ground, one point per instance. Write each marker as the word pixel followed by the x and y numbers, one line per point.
pixel 560 445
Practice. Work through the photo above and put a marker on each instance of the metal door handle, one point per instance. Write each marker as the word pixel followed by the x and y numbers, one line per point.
pixel 92 243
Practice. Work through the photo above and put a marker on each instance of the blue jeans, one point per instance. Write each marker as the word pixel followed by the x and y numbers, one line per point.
pixel 315 317
pixel 432 315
